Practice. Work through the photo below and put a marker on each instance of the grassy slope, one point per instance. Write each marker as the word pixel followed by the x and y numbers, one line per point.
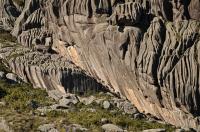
pixel 22 117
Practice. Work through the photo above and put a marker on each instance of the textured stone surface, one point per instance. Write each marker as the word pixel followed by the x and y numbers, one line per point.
pixel 155 130
pixel 9 11
pixel 47 128
pixel 48 71
pixel 144 50
pixel 76 127
pixel 111 128
pixel 4 125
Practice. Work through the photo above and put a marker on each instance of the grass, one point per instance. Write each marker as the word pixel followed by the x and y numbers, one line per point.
pixel 21 96
pixel 19 121
pixel 22 117
pixel 19 99
pixel 3 67
pixel 6 36
pixel 92 120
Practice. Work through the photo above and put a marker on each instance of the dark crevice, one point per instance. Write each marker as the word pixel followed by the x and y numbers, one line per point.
pixel 186 11
pixel 168 10
pixel 79 83
pixel 124 47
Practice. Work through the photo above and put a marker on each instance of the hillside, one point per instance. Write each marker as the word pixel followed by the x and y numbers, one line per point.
pixel 145 51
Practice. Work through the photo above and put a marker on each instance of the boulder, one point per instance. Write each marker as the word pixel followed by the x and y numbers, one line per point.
pixel 76 127
pixel 104 121
pixel 47 128
pixel 111 128
pixel 69 99
pixel 87 100
pixel 55 94
pixel 155 130
pixel 106 105
pixel 129 108
pixel 4 125
pixel 2 75
pixel 2 103
pixel 138 116
pixel 12 78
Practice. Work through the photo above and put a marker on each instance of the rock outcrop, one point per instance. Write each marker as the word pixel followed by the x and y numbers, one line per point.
pixel 9 11
pixel 49 71
pixel 145 50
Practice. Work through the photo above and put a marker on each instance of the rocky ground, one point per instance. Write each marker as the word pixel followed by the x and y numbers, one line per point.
pixel 26 109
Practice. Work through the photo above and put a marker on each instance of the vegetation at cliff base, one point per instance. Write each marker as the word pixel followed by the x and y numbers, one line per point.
pixel 6 36
pixel 21 101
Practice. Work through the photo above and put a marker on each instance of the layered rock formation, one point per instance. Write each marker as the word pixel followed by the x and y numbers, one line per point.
pixel 48 71
pixel 9 11
pixel 145 50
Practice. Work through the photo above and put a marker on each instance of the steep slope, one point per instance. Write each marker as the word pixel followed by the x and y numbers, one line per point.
pixel 145 50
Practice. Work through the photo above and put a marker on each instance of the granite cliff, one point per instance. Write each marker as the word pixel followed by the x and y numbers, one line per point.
pixel 144 50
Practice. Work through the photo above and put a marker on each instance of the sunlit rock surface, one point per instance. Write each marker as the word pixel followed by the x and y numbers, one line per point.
pixel 144 50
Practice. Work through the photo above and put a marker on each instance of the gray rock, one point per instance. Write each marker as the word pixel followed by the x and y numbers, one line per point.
pixel 2 75
pixel 186 130
pixel 57 106
pixel 155 130
pixel 104 121
pixel 68 99
pixel 138 116
pixel 111 128
pixel 55 94
pixel 48 41
pixel 106 105
pixel 2 103
pixel 47 128
pixel 109 94
pixel 12 78
pixel 76 127
pixel 91 110
pixel 180 130
pixel 129 108
pixel 87 100
pixel 99 101
pixel 4 125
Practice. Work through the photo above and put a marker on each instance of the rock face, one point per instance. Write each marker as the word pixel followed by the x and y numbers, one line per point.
pixel 9 11
pixel 49 71
pixel 194 9
pixel 146 50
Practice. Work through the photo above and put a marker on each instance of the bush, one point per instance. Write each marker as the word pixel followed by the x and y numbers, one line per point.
pixel 6 36
pixel 3 67
pixel 22 97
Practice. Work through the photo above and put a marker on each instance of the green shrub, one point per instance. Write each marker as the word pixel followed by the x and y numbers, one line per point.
pixel 3 67
pixel 19 96
pixel 6 36
pixel 91 120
